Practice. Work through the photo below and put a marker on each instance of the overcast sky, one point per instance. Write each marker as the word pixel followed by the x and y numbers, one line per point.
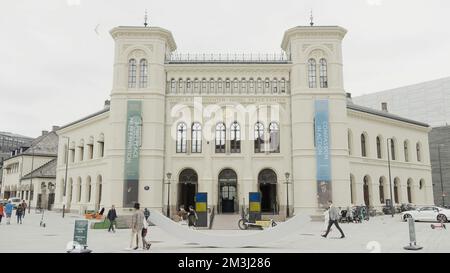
pixel 56 56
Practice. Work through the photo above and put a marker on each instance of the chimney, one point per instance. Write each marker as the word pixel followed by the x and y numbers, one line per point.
pixel 107 103
pixel 55 128
pixel 349 97
pixel 44 133
pixel 384 107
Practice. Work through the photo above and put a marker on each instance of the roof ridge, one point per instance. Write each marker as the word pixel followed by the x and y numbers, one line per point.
pixel 42 166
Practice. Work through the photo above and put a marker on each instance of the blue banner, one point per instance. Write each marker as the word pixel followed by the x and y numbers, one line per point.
pixel 322 142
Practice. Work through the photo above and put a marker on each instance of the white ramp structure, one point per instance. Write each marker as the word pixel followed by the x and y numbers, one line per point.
pixel 245 239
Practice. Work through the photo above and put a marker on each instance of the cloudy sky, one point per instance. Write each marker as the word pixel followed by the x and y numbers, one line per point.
pixel 56 55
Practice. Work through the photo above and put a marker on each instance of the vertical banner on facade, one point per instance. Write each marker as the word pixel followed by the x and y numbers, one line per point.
pixel 132 146
pixel 321 132
pixel 201 207
pixel 254 206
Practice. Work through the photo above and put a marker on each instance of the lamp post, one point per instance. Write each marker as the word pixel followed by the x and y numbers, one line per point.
pixel 31 179
pixel 169 175
pixel 65 178
pixel 440 173
pixel 390 180
pixel 287 193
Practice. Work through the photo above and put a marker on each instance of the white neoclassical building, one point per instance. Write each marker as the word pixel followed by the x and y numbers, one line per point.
pixel 230 124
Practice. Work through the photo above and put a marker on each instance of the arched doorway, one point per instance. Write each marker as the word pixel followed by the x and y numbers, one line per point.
pixel 409 190
pixel 267 181
pixel 396 188
pixel 228 198
pixel 366 190
pixel 187 188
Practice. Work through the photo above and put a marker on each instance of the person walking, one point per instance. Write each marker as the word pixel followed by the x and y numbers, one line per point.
pixel 112 215
pixel 137 224
pixel 326 214
pixel 192 217
pixel 2 212
pixel 8 211
pixel 24 207
pixel 334 219
pixel 146 213
pixel 145 244
pixel 19 212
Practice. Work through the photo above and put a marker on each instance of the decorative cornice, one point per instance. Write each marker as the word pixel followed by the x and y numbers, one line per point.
pixel 144 32
pixel 307 32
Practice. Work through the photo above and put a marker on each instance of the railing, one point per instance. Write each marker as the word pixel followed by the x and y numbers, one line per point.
pixel 232 58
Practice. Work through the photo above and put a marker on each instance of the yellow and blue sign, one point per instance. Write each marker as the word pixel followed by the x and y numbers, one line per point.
pixel 201 207
pixel 254 210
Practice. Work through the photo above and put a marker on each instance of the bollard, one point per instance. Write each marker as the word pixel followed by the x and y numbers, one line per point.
pixel 412 236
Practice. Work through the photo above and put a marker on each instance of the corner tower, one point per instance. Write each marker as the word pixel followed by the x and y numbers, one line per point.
pixel 136 149
pixel 317 91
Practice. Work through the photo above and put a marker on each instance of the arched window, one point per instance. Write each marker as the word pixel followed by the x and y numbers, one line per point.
pixel 251 85
pixel 211 86
pixel 188 86
pixel 406 150
pixel 283 85
pixel 235 138
pixel 363 146
pixel 173 86
pixel 228 86
pixel 419 158
pixel 267 85
pixel 259 137
pixel 312 73
pixel 392 149
pixel 180 85
pixel 381 190
pixel 143 73
pixel 323 74
pixel 220 138
pixel 196 138
pixel 181 138
pixel 260 85
pixel 274 137
pixel 243 85
pixel 196 85
pixel 219 86
pixel 378 147
pixel 350 142
pixel 275 86
pixel 235 86
pixel 132 73
pixel 204 86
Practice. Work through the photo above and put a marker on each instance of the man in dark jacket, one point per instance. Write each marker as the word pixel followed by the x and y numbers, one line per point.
pixel 112 215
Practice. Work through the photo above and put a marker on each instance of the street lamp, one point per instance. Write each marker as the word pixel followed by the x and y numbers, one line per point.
pixel 390 180
pixel 169 175
pixel 287 193
pixel 65 178
pixel 440 173
pixel 31 179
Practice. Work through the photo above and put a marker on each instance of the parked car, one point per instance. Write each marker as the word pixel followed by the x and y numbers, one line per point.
pixel 429 213
pixel 15 201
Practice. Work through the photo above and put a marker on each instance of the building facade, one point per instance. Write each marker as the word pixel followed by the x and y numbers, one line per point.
pixel 10 142
pixel 30 173
pixel 427 102
pixel 229 125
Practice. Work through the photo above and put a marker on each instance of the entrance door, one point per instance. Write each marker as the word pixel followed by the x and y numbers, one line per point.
pixel 267 180
pixel 228 199
pixel 187 188
pixel 51 200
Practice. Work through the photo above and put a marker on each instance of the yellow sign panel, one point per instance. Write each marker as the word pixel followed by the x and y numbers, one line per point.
pixel 200 207
pixel 255 206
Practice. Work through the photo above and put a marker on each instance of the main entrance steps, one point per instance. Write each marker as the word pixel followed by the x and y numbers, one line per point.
pixel 226 221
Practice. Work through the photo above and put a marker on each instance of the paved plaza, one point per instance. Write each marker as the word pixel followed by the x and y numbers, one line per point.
pixel 380 234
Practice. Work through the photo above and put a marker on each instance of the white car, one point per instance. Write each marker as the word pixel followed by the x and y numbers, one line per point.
pixel 15 201
pixel 430 214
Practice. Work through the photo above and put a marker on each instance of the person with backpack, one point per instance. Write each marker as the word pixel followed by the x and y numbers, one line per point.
pixel 8 211
pixel 19 212
pixel 192 217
